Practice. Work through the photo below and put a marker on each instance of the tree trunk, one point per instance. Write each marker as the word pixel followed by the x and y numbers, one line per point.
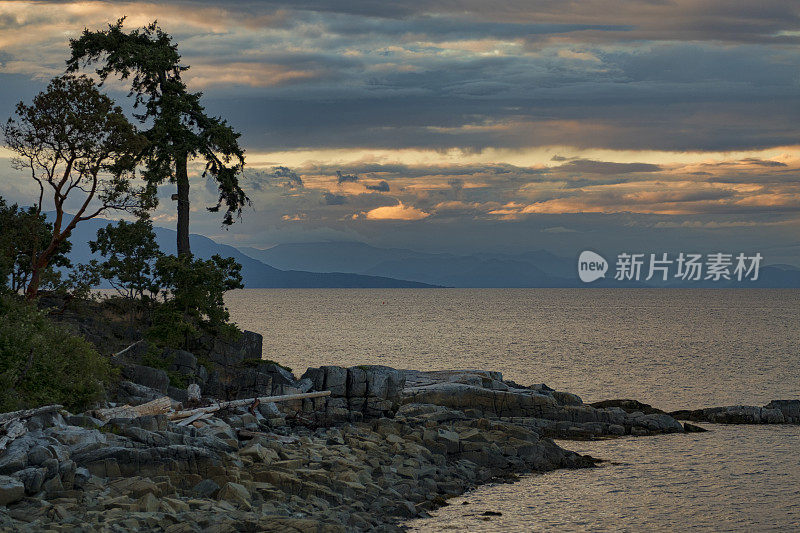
pixel 33 286
pixel 182 178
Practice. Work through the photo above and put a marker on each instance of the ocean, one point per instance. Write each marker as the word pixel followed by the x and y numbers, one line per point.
pixel 670 348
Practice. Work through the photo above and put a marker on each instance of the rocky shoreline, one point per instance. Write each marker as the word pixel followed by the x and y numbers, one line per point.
pixel 386 445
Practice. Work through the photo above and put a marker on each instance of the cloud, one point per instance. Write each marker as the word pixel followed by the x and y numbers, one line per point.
pixel 334 199
pixel 589 166
pixel 289 179
pixel 761 162
pixel 395 212
pixel 493 123
pixel 558 229
pixel 345 178
pixel 381 186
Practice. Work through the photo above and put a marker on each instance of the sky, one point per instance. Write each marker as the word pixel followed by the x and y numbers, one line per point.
pixel 466 126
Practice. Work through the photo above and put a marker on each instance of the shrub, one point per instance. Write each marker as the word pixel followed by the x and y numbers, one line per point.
pixel 42 363
pixel 130 251
pixel 194 303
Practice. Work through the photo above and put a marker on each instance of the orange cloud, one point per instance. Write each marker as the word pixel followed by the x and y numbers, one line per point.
pixel 396 212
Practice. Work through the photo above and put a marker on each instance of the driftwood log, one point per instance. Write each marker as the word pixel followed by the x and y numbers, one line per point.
pixel 248 401
pixel 158 406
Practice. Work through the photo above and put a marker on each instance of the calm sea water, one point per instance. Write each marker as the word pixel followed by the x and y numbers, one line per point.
pixel 670 348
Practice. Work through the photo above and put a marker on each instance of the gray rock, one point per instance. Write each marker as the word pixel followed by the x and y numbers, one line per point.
pixel 152 378
pixel 335 380
pixel 305 385
pixel 38 454
pixel 356 382
pixel 317 377
pixel 32 478
pixel 82 476
pixel 281 375
pixel 734 414
pixel 84 420
pixel 181 361
pixel 789 408
pixel 567 398
pixel 489 402
pixel 234 493
pixel 206 489
pixel 177 394
pixel 132 393
pixel 77 439
pixel 251 344
pixel 16 456
pixel 11 490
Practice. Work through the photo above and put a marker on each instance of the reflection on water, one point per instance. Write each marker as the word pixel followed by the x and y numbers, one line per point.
pixel 734 478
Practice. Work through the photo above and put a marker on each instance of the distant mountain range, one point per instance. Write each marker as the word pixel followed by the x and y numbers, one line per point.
pixel 256 274
pixel 359 265
pixel 538 268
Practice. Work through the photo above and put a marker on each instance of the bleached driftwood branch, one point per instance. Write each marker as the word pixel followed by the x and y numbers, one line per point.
pixel 122 352
pixel 247 401
pixel 156 407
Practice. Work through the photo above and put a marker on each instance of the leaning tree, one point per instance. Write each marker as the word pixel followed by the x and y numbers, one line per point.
pixel 180 129
pixel 82 151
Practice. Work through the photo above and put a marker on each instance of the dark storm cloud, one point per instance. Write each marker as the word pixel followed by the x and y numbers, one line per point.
pixel 711 20
pixel 381 186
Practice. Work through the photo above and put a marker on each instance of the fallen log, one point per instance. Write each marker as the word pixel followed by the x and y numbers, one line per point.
pixel 27 413
pixel 156 407
pixel 248 401
pixel 195 418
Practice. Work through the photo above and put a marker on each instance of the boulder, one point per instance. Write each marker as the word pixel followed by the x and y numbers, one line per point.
pixel 152 378
pixel 32 479
pixel 132 393
pixel 206 489
pixel 235 494
pixel 11 490
pixel 181 361
pixel 335 380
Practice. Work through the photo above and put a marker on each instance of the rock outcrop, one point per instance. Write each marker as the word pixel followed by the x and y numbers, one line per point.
pixel 386 445
pixel 775 412
pixel 149 473
pixel 553 413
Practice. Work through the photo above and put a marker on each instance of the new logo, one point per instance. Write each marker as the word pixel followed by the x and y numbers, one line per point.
pixel 591 266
